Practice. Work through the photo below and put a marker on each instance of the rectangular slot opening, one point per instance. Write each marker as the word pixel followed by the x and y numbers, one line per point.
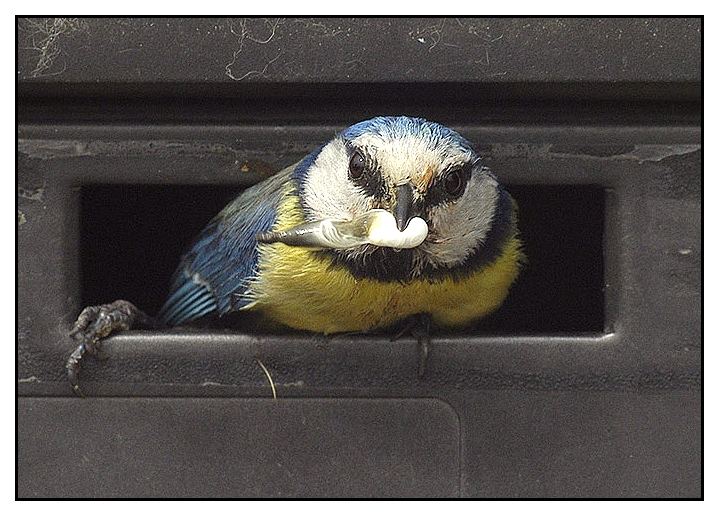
pixel 132 237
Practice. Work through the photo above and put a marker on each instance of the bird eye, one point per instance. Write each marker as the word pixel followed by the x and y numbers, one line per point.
pixel 454 182
pixel 357 165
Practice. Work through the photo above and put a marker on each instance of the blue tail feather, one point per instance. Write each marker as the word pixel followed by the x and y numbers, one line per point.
pixel 188 302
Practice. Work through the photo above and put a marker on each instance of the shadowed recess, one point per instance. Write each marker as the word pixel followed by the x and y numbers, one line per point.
pixel 132 237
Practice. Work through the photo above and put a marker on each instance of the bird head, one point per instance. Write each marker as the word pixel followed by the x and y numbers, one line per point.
pixel 411 168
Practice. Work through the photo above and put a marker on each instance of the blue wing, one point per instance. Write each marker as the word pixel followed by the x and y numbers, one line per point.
pixel 215 274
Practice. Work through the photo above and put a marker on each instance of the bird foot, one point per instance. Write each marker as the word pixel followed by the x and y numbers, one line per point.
pixel 95 323
pixel 419 327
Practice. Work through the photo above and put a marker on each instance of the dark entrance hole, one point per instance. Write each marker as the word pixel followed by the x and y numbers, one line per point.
pixel 132 237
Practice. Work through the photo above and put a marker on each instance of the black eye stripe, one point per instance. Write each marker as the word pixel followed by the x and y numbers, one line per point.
pixel 441 190
pixel 370 179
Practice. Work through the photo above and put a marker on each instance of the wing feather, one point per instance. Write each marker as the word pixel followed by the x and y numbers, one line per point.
pixel 213 276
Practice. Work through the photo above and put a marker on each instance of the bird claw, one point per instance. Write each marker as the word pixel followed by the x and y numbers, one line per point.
pixel 419 327
pixel 93 324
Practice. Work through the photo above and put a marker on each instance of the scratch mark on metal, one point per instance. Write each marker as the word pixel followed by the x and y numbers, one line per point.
pixel 434 32
pixel 442 38
pixel 657 153
pixel 46 149
pixel 210 383
pixel 320 28
pixel 32 194
pixel 298 383
pixel 640 153
pixel 59 149
pixel 255 72
pixel 246 34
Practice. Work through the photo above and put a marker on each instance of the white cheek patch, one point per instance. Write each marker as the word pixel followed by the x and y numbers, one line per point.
pixel 462 227
pixel 328 192
pixel 375 227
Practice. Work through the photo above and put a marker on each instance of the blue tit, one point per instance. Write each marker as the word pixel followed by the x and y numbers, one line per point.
pixel 311 247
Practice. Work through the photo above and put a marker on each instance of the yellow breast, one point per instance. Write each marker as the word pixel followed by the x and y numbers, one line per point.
pixel 300 289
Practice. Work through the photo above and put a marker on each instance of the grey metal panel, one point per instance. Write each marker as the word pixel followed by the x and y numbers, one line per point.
pixel 607 103
pixel 237 448
pixel 582 444
pixel 247 50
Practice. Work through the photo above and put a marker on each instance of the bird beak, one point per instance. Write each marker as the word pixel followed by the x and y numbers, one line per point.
pixel 376 227
pixel 404 207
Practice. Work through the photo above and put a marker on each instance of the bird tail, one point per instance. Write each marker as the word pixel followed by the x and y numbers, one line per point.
pixel 188 301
